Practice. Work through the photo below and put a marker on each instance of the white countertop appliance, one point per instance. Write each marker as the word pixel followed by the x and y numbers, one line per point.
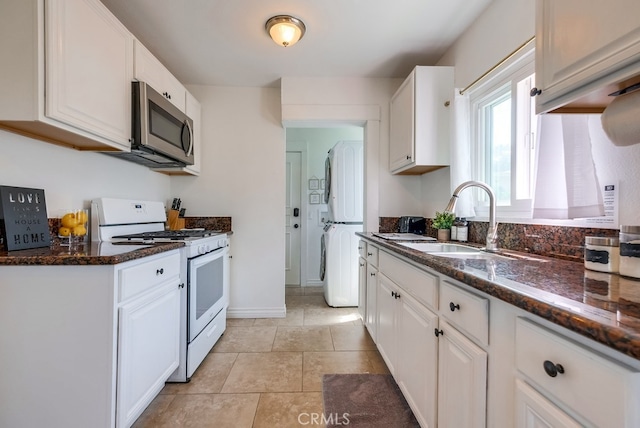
pixel 204 270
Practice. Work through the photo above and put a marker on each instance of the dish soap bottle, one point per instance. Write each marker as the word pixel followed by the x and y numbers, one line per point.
pixel 462 230
pixel 454 229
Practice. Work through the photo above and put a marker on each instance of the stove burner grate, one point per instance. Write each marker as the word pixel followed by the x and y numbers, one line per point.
pixel 176 235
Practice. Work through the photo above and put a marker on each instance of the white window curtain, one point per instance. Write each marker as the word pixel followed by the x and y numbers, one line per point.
pixel 460 170
pixel 566 184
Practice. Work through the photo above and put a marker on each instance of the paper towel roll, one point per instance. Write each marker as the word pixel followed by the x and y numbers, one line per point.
pixel 621 119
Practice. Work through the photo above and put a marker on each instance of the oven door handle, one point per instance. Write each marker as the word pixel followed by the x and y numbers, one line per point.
pixel 208 257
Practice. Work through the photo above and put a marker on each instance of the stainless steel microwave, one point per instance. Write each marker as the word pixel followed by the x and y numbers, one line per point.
pixel 162 134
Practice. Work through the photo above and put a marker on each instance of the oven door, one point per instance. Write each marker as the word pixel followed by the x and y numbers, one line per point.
pixel 205 289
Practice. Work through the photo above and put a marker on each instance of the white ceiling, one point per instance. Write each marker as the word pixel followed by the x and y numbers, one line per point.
pixel 224 43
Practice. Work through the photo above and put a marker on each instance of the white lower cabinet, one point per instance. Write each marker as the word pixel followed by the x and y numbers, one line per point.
pixel 592 388
pixel 372 301
pixel 438 368
pixel 462 380
pixel 362 289
pixel 465 359
pixel 145 357
pixel 368 286
pixel 387 321
pixel 408 345
pixel 535 411
pixel 417 368
pixel 94 345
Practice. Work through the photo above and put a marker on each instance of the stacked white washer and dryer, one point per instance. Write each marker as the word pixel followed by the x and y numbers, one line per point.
pixel 344 191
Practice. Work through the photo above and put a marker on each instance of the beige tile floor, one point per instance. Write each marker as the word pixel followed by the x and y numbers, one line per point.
pixel 268 372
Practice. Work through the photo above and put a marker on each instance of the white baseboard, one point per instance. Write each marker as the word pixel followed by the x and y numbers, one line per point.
pixel 314 283
pixel 257 312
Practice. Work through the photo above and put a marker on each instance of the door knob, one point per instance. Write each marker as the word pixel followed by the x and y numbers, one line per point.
pixel 296 226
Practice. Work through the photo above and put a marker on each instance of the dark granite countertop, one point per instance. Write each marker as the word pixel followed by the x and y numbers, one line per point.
pixel 93 253
pixel 603 307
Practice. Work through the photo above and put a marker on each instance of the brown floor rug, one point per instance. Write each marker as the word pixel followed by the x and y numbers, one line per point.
pixel 365 400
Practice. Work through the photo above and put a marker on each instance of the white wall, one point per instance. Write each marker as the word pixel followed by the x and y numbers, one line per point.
pixel 316 143
pixel 70 178
pixel 243 159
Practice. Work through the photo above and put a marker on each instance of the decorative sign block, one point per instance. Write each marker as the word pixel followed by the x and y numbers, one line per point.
pixel 23 218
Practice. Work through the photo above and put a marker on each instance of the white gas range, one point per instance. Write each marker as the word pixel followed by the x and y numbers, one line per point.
pixel 204 270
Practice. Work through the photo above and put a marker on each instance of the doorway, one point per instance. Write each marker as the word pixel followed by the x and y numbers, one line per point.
pixel 312 143
pixel 293 219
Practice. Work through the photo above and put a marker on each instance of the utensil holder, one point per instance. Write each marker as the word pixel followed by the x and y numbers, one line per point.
pixel 175 222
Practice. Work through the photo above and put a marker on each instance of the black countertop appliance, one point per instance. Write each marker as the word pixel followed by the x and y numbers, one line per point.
pixel 411 224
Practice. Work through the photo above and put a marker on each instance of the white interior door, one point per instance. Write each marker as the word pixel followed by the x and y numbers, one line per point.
pixel 293 219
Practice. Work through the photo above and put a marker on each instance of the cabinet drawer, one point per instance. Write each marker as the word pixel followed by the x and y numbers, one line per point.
pixel 420 284
pixel 362 249
pixel 372 254
pixel 602 391
pixel 465 310
pixel 147 274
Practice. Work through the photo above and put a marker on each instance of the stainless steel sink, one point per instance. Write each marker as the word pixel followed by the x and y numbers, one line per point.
pixel 457 251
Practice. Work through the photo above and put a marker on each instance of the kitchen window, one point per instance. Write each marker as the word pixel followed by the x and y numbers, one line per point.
pixel 503 125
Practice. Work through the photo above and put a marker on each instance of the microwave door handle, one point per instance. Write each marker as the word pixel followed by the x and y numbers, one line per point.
pixel 190 151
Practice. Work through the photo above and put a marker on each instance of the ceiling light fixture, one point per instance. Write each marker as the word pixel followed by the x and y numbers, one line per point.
pixel 285 30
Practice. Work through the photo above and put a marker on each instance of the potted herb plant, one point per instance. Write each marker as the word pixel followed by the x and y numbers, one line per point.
pixel 443 222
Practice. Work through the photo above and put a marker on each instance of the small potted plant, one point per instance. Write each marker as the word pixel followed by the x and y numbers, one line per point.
pixel 443 222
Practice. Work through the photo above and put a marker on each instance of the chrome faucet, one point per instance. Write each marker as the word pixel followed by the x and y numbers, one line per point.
pixel 492 233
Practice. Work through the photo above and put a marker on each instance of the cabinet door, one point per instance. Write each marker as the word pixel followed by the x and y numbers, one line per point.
pixel 402 125
pixel 362 289
pixel 148 348
pixel 372 307
pixel 579 42
pixel 418 358
pixel 362 249
pixel 150 70
pixel 419 121
pixel 89 69
pixel 462 380
pixel 194 111
pixel 535 411
pixel 386 317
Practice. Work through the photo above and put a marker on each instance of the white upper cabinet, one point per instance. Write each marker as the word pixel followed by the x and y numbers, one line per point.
pixel 82 98
pixel 585 50
pixel 419 128
pixel 148 69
